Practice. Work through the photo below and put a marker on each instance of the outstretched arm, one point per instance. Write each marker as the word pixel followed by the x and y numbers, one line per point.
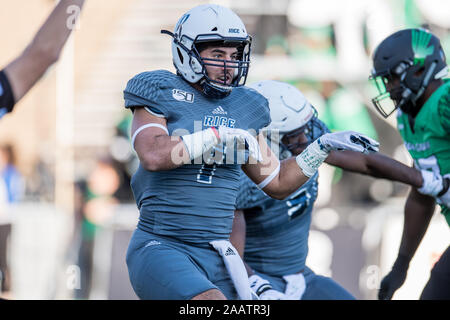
pixel 278 180
pixel 381 166
pixel 45 48
pixel 376 165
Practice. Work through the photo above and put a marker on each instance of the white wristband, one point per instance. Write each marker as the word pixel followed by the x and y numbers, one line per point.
pixel 311 158
pixel 199 142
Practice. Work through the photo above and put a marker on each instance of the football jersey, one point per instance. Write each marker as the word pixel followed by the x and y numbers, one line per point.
pixel 277 230
pixel 428 141
pixel 194 202
pixel 6 95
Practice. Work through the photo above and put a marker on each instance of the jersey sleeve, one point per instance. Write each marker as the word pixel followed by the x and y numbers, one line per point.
pixel 249 195
pixel 6 95
pixel 144 90
pixel 444 110
pixel 265 119
pixel 259 113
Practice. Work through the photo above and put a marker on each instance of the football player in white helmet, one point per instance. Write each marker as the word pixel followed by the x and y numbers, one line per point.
pixel 211 27
pixel 184 131
pixel 272 236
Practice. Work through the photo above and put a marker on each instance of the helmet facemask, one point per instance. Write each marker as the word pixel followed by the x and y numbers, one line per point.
pixel 388 100
pixel 202 27
pixel 240 66
pixel 403 86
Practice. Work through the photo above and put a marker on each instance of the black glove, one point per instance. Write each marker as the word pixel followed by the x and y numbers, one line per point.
pixel 394 279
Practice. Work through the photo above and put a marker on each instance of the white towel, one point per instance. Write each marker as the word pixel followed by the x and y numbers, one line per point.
pixel 295 287
pixel 235 267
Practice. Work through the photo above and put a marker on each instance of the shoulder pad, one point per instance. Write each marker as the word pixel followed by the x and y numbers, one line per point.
pixel 144 88
pixel 146 84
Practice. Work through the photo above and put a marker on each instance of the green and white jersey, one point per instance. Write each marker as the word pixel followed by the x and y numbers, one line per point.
pixel 429 141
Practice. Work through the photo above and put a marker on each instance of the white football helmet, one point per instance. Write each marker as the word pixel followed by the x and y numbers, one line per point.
pixel 216 24
pixel 289 108
pixel 290 111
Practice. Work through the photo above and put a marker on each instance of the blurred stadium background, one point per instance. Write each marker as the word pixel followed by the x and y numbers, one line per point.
pixel 71 212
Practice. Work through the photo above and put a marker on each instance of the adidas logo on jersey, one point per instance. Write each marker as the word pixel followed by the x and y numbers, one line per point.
pixel 229 252
pixel 219 110
pixel 218 119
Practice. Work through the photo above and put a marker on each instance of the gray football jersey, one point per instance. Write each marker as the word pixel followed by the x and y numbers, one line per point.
pixel 195 202
pixel 277 230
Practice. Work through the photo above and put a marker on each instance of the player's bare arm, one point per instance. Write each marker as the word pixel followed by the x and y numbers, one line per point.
pixel 280 179
pixel 158 151
pixel 376 165
pixel 155 148
pixel 260 286
pixel 237 236
pixel 44 50
pixel 419 209
pixel 380 166
pixel 277 179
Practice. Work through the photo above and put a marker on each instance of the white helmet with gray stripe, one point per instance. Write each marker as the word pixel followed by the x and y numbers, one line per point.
pixel 210 23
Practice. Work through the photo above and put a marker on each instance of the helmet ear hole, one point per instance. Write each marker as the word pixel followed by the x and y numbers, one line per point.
pixel 180 55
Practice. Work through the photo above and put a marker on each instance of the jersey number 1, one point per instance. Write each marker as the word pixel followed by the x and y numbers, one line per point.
pixel 206 173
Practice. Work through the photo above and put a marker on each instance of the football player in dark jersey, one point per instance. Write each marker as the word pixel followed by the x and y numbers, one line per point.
pixel 409 68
